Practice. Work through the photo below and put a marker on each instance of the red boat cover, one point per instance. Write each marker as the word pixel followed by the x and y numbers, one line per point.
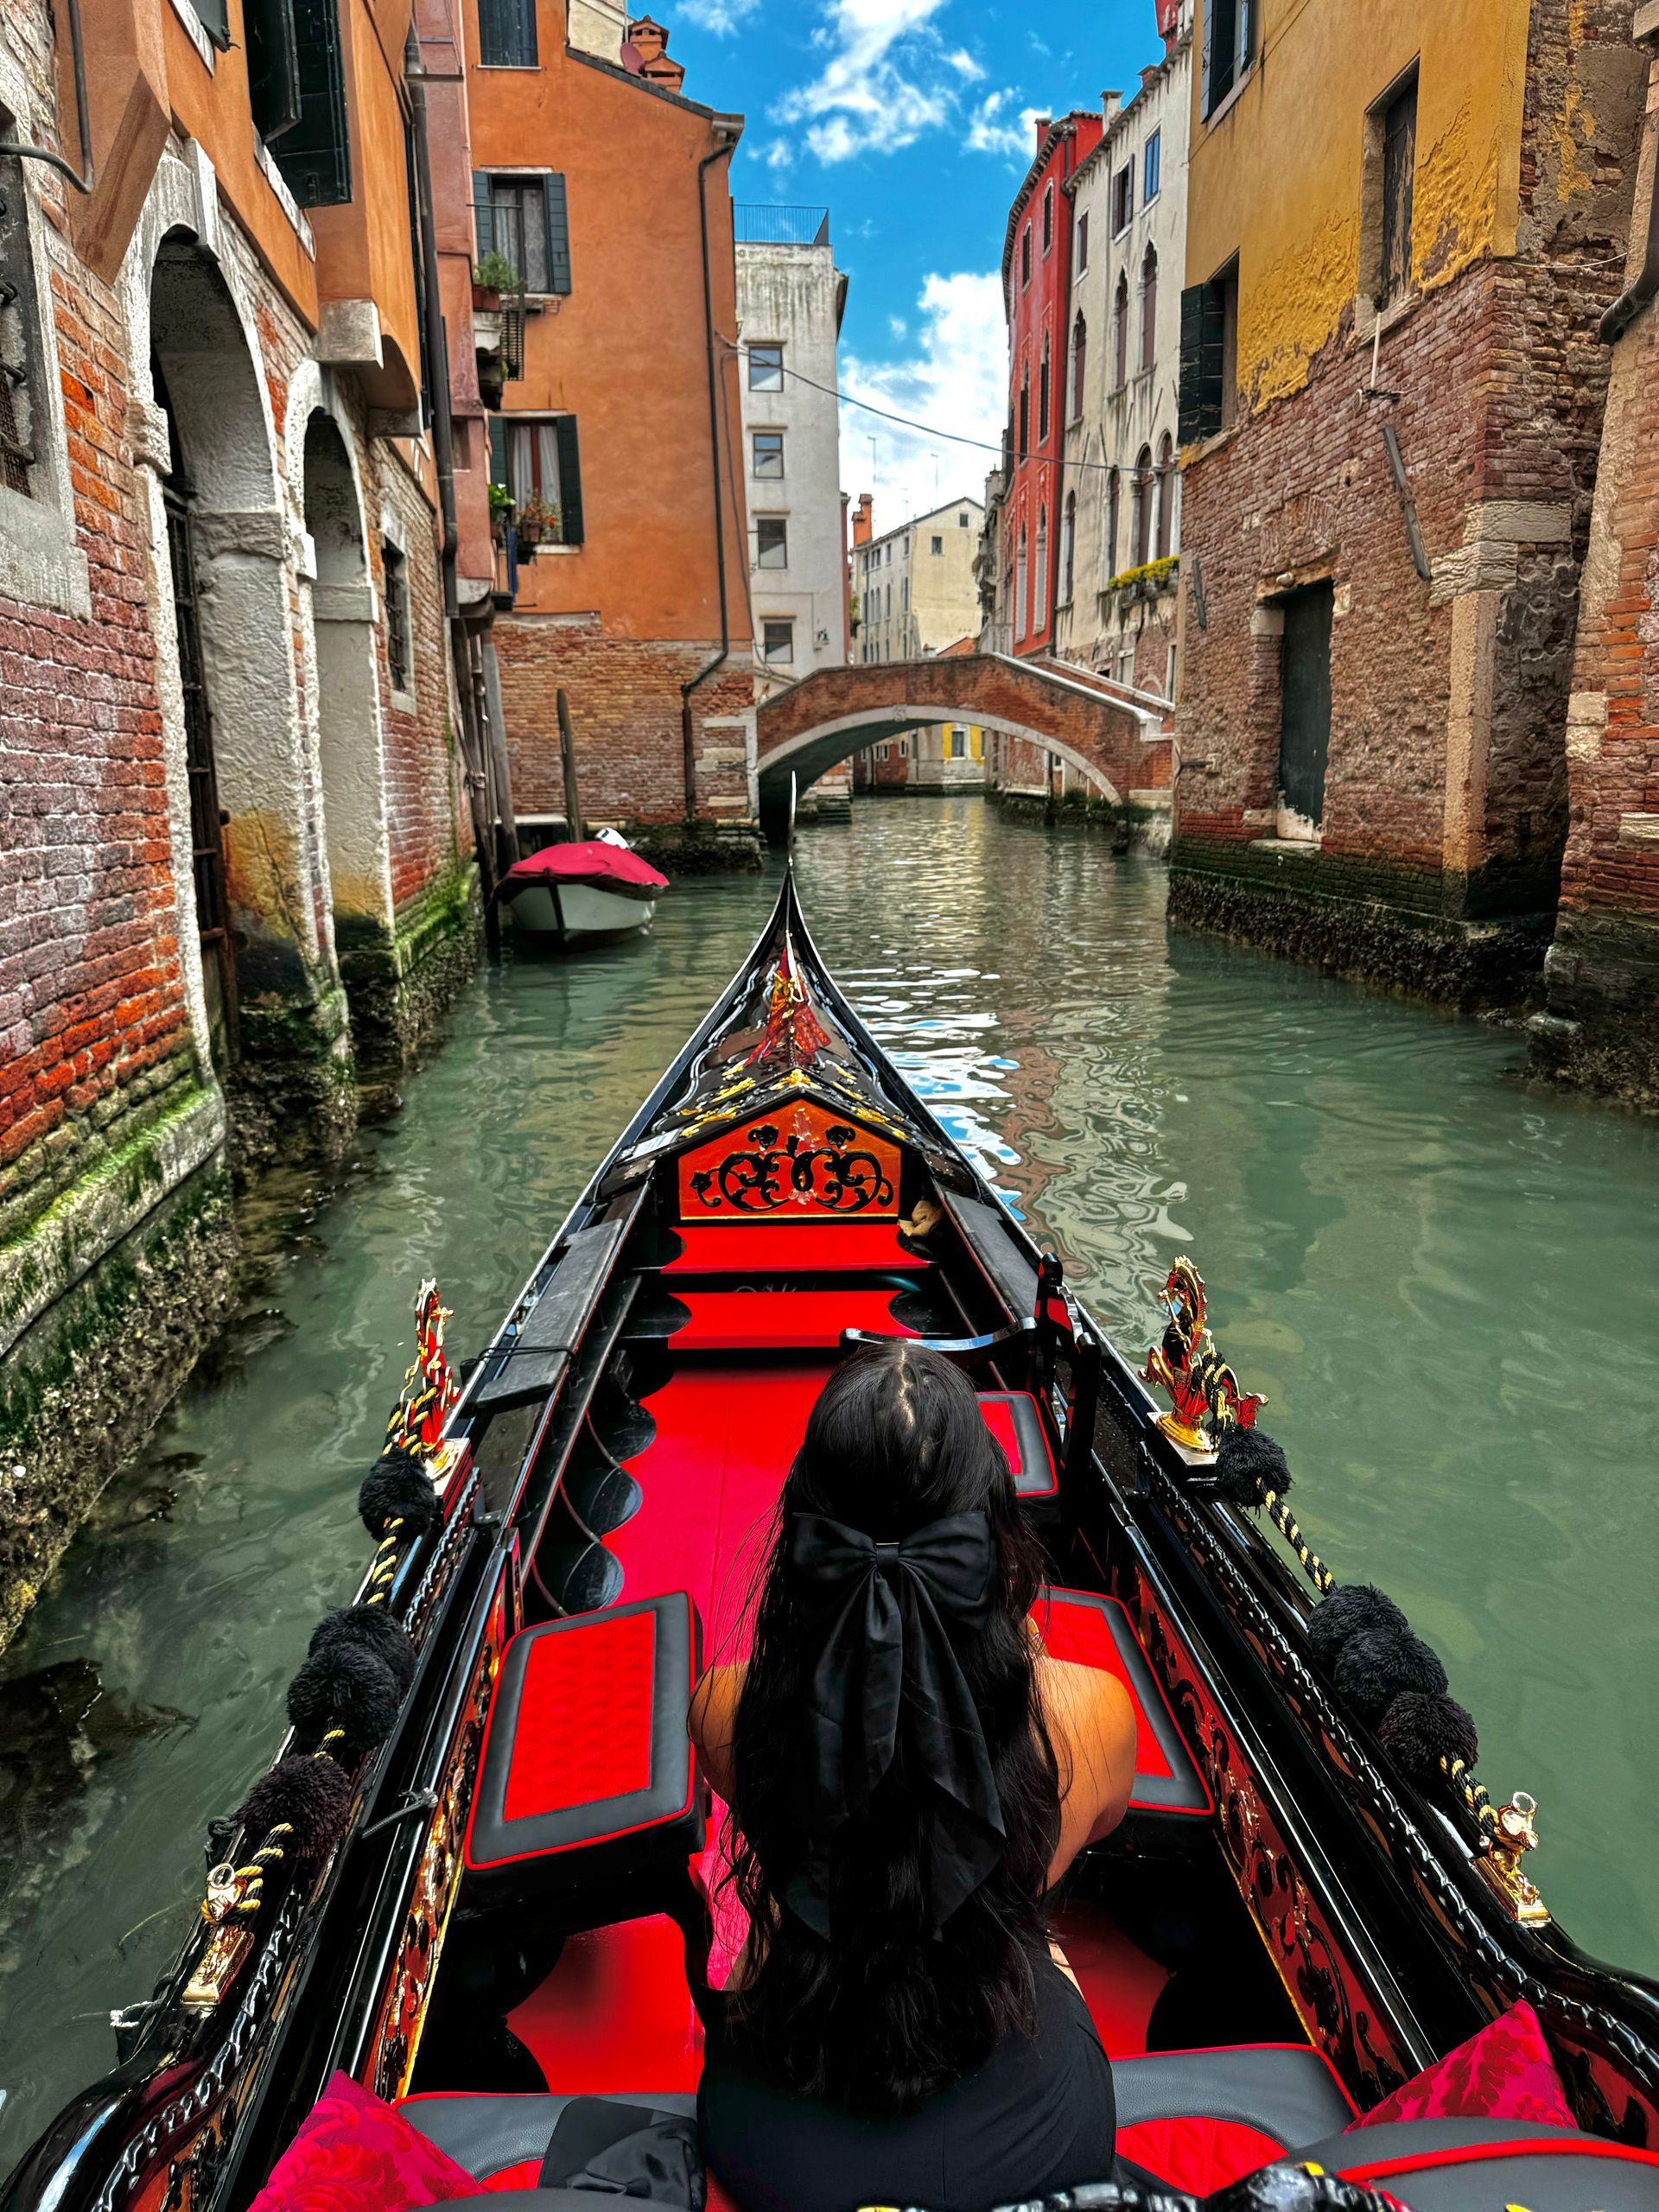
pixel 590 861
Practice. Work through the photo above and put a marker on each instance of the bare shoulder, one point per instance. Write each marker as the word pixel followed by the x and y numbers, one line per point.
pixel 1089 1708
pixel 711 1723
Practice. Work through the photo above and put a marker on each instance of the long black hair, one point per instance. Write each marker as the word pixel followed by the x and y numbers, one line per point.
pixel 890 2006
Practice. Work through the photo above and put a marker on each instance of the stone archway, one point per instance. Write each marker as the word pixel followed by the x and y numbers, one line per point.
pixel 343 699
pixel 204 434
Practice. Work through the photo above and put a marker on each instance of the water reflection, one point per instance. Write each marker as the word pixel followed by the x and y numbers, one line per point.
pixel 1448 1286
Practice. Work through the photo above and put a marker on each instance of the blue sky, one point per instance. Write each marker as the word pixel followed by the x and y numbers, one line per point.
pixel 910 119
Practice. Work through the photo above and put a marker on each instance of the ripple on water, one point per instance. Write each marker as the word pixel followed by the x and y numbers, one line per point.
pixel 1447 1286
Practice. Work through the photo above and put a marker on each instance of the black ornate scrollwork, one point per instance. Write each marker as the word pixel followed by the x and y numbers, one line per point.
pixel 834 1175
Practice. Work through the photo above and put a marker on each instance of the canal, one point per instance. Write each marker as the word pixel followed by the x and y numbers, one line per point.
pixel 1447 1283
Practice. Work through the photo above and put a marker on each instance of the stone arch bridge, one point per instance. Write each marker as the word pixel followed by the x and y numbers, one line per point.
pixel 1119 739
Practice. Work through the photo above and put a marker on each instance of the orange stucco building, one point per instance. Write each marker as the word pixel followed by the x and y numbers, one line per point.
pixel 606 189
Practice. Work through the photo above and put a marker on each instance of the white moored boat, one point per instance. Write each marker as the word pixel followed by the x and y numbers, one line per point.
pixel 594 888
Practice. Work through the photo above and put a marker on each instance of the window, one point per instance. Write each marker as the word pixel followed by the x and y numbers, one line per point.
pixel 938 546
pixel 958 744
pixel 771 541
pixel 1123 198
pixel 313 154
pixel 1083 241
pixel 1399 134
pixel 274 96
pixel 22 418
pixel 962 519
pixel 765 368
pixel 1023 447
pixel 536 459
pixel 1149 308
pixel 1114 516
pixel 880 752
pixel 524 219
pixel 1042 395
pixel 778 644
pixel 1151 163
pixel 1068 548
pixel 506 34
pixel 1167 483
pixel 1079 364
pixel 1039 575
pixel 1048 220
pixel 1209 399
pixel 397 572
pixel 1121 332
pixel 886 601
pixel 1021 587
pixel 1024 257
pixel 1229 49
pixel 1141 496
pixel 904 594
pixel 768 453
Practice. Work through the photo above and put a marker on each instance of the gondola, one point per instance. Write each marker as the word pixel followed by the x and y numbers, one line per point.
pixel 478 1879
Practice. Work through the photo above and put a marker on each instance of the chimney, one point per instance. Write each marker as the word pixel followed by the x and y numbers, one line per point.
pixel 1111 106
pixel 650 42
pixel 1040 126
pixel 863 520
pixel 1169 23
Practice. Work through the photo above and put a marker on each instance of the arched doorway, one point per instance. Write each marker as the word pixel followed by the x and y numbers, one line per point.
pixel 345 700
pixel 226 562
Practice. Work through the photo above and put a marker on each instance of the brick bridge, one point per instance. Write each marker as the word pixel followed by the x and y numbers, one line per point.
pixel 1117 738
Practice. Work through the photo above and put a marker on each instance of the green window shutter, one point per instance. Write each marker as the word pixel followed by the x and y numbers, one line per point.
pixel 559 234
pixel 316 156
pixel 499 466
pixel 273 66
pixel 569 481
pixel 506 34
pixel 483 214
pixel 1198 407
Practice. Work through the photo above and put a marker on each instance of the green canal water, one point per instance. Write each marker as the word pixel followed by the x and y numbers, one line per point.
pixel 1447 1283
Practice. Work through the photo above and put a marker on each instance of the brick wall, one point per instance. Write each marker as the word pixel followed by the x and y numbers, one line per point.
pixel 624 696
pixel 1444 799
pixel 95 1037
pixel 1601 1025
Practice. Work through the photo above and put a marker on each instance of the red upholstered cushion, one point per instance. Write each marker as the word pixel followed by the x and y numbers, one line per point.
pixel 1504 2072
pixel 526 2174
pixel 355 2154
pixel 785 1320
pixel 1197 2153
pixel 1081 1635
pixel 585 1717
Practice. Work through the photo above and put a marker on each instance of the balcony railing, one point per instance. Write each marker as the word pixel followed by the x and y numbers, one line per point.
pixel 757 223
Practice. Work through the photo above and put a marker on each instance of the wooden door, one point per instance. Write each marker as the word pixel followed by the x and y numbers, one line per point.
pixel 1304 716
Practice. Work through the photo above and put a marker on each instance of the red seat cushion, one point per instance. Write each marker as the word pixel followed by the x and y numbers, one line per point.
pixel 1503 2072
pixel 1197 2152
pixel 791 1247
pixel 585 1749
pixel 355 2154
pixel 781 1320
pixel 1013 1419
pixel 1089 1631
pixel 1200 2119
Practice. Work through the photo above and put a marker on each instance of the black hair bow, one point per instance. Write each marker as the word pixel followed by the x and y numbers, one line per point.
pixel 888 1655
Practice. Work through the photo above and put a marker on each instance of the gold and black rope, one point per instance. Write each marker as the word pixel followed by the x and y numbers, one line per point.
pixel 1285 1521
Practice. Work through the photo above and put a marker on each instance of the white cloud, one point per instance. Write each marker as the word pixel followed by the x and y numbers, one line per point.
pixel 722 16
pixel 879 87
pixel 780 154
pixel 993 130
pixel 964 64
pixel 897 325
pixel 956 378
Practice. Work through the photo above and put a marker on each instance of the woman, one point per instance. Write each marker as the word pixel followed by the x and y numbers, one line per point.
pixel 909 1774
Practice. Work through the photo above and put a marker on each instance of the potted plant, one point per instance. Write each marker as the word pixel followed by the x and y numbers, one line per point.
pixel 493 274
pixel 537 523
pixel 500 512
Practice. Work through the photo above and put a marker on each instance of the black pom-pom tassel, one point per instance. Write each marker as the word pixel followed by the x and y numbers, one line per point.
pixel 1355 1607
pixel 1248 1464
pixel 1423 1735
pixel 1374 1667
pixel 312 1798
pixel 373 1627
pixel 397 1488
pixel 343 1687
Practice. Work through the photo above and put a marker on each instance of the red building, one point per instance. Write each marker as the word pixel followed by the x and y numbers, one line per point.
pixel 1036 292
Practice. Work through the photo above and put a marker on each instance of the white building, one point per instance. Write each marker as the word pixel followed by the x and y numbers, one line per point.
pixel 790 299
pixel 1120 526
pixel 914 591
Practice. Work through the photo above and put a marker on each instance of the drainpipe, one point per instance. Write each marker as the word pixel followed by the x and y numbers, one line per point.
pixel 1631 302
pixel 444 450
pixel 727 129
pixel 82 184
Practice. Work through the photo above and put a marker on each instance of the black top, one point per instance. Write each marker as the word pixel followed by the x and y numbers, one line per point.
pixel 1038 2116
